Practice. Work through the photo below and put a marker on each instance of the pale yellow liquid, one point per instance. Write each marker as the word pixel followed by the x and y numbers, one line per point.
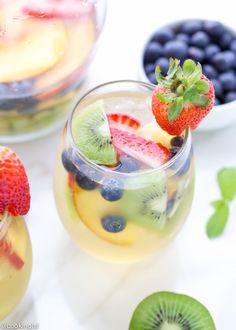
pixel 138 244
pixel 81 211
pixel 13 282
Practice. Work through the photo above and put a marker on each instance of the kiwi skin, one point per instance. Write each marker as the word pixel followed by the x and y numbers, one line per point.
pixel 168 310
pixel 91 133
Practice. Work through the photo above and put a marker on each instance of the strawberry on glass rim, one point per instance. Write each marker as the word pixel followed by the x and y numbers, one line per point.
pixel 14 198
pixel 50 9
pixel 182 98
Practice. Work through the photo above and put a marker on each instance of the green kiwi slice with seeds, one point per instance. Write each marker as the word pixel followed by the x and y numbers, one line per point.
pixel 171 311
pixel 91 133
pixel 146 203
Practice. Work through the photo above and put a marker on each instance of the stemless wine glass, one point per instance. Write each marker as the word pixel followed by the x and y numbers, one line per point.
pixel 45 49
pixel 15 262
pixel 155 201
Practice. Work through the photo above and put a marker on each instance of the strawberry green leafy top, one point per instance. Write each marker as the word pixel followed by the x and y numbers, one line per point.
pixel 183 86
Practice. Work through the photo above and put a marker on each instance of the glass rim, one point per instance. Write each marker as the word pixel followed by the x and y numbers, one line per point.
pixel 107 170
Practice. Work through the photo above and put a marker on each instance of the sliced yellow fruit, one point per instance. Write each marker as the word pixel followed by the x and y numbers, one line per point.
pixel 92 207
pixel 33 53
pixel 153 131
pixel 81 39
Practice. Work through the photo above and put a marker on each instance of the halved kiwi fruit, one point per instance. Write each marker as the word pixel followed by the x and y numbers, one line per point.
pixel 171 311
pixel 146 203
pixel 92 135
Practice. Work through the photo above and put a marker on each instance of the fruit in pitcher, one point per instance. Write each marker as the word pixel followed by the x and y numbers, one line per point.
pixel 92 135
pixel 182 98
pixel 33 54
pixel 171 311
pixel 50 9
pixel 14 186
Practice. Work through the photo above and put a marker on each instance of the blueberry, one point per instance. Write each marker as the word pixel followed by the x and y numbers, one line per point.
pixel 164 64
pixel 185 166
pixel 113 223
pixel 211 50
pixel 177 141
pixel 174 151
pixel 233 46
pixel 199 39
pixel 128 164
pixel 218 87
pixel 196 54
pixel 216 102
pixel 152 52
pixel 190 27
pixel 224 61
pixel 87 177
pixel 149 68
pixel 225 40
pixel 229 97
pixel 183 37
pixel 228 81
pixel 163 35
pixel 176 48
pixel 84 182
pixel 21 87
pixel 214 28
pixel 152 78
pixel 112 190
pixel 209 71
pixel 67 160
pixel 170 204
pixel 182 164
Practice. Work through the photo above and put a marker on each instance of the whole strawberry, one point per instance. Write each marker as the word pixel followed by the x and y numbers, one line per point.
pixel 14 186
pixel 182 98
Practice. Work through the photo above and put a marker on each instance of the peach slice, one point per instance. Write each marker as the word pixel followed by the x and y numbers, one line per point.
pixel 33 53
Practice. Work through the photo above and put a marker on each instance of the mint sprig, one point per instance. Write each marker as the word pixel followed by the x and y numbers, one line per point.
pixel 216 224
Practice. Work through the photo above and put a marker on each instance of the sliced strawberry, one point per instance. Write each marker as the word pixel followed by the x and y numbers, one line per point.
pixel 7 251
pixel 49 9
pixel 123 121
pixel 14 185
pixel 146 151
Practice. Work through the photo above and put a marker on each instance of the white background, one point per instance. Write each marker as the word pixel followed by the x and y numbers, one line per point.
pixel 71 290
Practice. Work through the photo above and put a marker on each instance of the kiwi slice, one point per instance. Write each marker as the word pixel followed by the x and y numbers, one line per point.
pixel 171 311
pixel 145 203
pixel 92 135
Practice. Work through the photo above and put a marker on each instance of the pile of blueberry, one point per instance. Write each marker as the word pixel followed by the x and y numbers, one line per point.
pixel 88 178
pixel 111 189
pixel 12 95
pixel 208 42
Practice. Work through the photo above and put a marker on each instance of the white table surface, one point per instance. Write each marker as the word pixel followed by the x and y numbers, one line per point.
pixel 71 290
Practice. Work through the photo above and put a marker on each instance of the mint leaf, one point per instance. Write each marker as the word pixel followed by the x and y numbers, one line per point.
pixel 217 222
pixel 227 183
pixel 175 109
